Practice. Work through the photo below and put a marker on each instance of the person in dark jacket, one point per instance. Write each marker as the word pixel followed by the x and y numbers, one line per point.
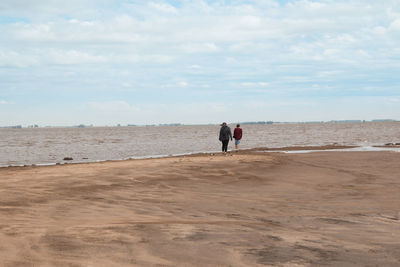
pixel 237 134
pixel 224 135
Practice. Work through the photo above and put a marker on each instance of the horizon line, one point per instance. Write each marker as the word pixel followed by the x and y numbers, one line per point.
pixel 18 126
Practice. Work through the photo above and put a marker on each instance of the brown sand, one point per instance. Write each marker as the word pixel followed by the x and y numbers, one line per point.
pixel 245 209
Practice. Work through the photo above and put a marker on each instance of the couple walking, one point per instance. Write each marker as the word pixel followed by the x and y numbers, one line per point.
pixel 225 134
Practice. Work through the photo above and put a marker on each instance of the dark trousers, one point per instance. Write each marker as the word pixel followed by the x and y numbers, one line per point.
pixel 225 145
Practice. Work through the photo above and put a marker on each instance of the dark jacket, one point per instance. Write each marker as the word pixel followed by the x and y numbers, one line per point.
pixel 225 133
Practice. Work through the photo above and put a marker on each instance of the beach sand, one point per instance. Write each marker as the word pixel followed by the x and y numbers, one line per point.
pixel 245 209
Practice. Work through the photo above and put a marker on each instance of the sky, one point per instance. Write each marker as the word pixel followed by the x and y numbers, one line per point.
pixel 106 62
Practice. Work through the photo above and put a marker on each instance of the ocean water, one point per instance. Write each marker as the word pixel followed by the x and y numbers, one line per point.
pixel 51 145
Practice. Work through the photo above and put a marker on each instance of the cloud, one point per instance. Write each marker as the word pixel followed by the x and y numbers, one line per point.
pixel 113 106
pixel 394 99
pixel 200 47
pixel 395 26
pixel 51 9
pixel 74 57
pixel 186 51
pixel 17 59
pixel 3 102
pixel 164 7
pixel 254 84
pixel 183 84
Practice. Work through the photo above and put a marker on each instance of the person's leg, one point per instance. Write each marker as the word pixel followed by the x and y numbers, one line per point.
pixel 237 142
pixel 225 145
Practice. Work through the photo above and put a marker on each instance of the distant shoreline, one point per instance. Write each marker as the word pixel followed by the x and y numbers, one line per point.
pixel 201 124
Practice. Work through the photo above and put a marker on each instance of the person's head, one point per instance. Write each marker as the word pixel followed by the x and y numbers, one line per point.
pixel 223 124
pixel 238 125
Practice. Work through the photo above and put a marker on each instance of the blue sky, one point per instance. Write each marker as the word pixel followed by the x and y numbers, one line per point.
pixel 141 62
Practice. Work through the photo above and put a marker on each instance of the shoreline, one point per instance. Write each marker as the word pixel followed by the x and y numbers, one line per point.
pixel 291 149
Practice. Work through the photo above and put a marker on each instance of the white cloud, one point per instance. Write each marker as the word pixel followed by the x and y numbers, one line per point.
pixel 74 57
pixel 254 84
pixel 17 59
pixel 183 84
pixel 113 106
pixel 200 47
pixel 395 26
pixel 50 9
pixel 250 22
pixel 255 104
pixel 41 57
pixel 236 49
pixel 379 30
pixel 330 73
pixel 394 99
pixel 3 102
pixel 163 8
pixel 82 23
pixel 35 32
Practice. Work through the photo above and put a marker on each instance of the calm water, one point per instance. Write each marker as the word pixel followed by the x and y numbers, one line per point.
pixel 51 145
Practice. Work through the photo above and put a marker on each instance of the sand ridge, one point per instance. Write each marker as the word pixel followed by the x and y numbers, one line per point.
pixel 243 209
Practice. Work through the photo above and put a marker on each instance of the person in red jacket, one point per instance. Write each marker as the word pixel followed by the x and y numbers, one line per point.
pixel 237 134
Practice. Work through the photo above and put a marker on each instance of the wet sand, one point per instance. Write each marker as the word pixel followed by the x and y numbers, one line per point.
pixel 245 209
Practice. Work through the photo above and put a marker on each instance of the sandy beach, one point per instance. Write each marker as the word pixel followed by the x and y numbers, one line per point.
pixel 244 209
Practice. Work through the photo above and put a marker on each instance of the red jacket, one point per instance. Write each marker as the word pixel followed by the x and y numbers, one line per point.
pixel 237 133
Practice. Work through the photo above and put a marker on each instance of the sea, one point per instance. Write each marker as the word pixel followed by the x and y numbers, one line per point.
pixel 51 145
